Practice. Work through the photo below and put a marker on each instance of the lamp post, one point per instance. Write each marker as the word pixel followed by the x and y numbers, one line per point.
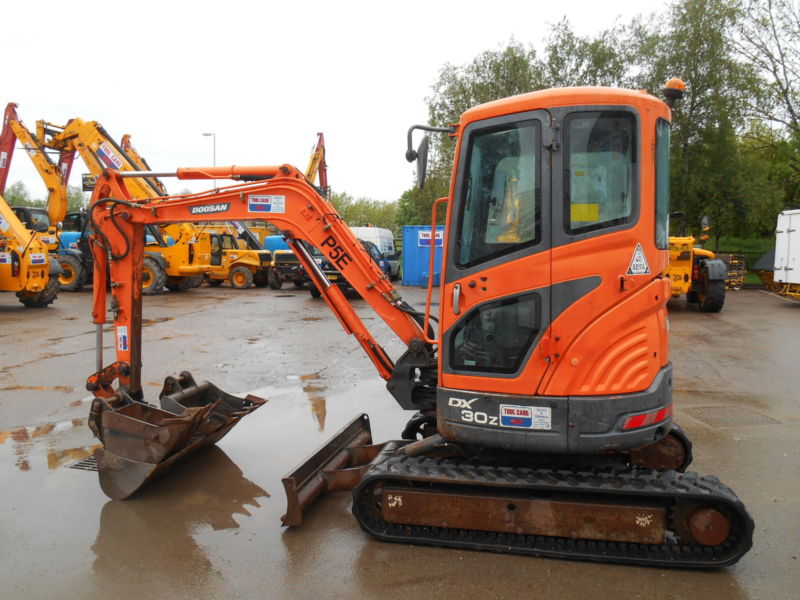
pixel 213 150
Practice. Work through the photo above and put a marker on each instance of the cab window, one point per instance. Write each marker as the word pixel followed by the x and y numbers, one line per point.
pixel 599 176
pixel 502 194
pixel 72 222
pixel 662 184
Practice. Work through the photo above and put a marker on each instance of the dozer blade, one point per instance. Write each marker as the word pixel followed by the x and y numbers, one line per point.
pixel 338 465
pixel 140 442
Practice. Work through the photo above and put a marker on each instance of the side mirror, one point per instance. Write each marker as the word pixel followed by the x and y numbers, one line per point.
pixel 677 215
pixel 60 226
pixel 421 153
pixel 422 162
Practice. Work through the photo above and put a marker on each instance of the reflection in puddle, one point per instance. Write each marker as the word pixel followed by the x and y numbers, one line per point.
pixel 209 490
pixel 68 456
pixel 23 438
pixel 318 403
pixel 39 388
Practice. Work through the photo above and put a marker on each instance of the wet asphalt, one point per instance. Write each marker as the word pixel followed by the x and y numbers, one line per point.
pixel 211 529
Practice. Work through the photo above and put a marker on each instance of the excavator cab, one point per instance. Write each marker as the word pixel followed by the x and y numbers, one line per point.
pixel 551 233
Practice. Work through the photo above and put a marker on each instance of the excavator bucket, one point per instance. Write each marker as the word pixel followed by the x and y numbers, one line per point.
pixel 338 465
pixel 140 441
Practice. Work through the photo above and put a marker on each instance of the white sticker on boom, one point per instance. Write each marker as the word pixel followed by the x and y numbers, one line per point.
pixel 638 264
pixel 3 224
pixel 122 338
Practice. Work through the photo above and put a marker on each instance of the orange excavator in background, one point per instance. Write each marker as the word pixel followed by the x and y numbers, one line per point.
pixel 543 403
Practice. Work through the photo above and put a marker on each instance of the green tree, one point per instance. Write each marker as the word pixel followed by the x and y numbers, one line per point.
pixel 18 195
pixel 364 211
pixel 696 47
pixel 768 39
pixel 76 199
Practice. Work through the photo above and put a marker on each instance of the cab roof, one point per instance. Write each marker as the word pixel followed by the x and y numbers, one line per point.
pixel 553 97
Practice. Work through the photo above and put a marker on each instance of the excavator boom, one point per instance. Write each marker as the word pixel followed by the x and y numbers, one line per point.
pixel 52 175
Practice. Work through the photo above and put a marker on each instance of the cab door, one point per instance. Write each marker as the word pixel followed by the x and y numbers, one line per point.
pixel 495 302
pixel 216 250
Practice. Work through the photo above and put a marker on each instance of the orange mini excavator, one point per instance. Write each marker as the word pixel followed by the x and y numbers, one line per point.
pixel 543 404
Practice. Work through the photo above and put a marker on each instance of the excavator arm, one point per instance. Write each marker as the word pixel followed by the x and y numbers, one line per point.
pixel 139 440
pixel 52 175
pixel 317 165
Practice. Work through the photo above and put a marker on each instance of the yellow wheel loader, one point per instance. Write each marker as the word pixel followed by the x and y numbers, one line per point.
pixel 695 272
pixel 232 259
pixel 25 264
pixel 182 267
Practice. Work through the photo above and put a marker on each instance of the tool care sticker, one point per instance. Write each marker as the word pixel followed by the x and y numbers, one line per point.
pixel 5 258
pixel 525 417
pixel 37 258
pixel 638 264
pixel 266 203
pixel 107 155
pixel 122 338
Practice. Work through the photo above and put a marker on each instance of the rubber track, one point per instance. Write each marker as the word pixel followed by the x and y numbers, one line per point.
pixel 668 488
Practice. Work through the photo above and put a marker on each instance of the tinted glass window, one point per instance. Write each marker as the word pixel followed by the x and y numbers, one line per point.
pixel 501 204
pixel 662 184
pixel 496 336
pixel 599 179
pixel 72 222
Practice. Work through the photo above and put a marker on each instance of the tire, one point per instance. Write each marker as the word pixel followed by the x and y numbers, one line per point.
pixel 241 278
pixel 275 280
pixel 315 293
pixel 298 283
pixel 43 298
pixel 154 277
pixel 180 284
pixel 261 278
pixel 215 282
pixel 73 273
pixel 712 297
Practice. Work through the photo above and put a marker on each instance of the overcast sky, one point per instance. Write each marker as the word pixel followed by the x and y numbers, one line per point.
pixel 265 77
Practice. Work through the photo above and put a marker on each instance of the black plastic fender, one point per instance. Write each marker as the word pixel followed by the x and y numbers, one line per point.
pixel 55 267
pixel 717 269
pixel 159 258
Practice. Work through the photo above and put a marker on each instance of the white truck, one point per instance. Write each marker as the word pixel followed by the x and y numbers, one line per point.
pixel 787 248
pixel 384 240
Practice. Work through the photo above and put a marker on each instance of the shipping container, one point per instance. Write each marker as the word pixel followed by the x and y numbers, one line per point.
pixel 787 247
pixel 416 254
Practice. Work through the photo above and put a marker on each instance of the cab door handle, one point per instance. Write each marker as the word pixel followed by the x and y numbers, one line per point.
pixel 456 298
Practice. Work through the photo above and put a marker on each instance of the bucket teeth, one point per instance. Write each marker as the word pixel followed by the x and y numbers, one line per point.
pixel 141 441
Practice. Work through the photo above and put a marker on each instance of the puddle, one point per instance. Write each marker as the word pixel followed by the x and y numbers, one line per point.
pixel 146 322
pixel 22 442
pixel 39 388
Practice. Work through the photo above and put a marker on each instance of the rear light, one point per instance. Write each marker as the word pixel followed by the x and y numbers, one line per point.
pixel 648 418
